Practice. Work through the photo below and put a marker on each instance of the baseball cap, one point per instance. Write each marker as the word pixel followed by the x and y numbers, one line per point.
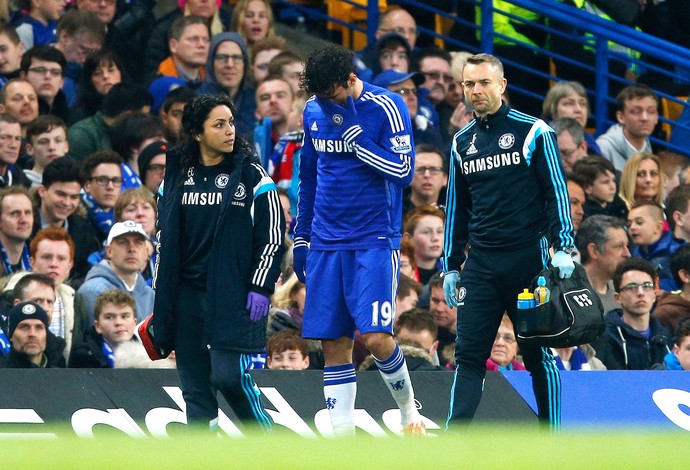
pixel 160 88
pixel 25 311
pixel 393 77
pixel 123 228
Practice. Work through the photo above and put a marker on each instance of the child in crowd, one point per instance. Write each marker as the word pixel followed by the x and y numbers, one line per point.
pixel 111 342
pixel 599 182
pixel 287 351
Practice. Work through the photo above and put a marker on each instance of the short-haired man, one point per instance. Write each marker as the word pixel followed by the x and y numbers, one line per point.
pixel 40 288
pixel 646 226
pixel 399 21
pixel 45 67
pixel 602 242
pixel 671 307
pixel 598 177
pixel 430 178
pixel 127 254
pixel 11 52
pixel 576 196
pixel 288 65
pixel 418 326
pixel 10 144
pixel 93 133
pixel 262 52
pixel 227 71
pixel 19 99
pixel 637 113
pixel 407 296
pixel 52 253
pixel 434 63
pixel 633 340
pixel 189 44
pixel 507 197
pixel 274 100
pixel 16 220
pixel 171 112
pixel 46 141
pixel 79 33
pixel 571 141
pixel 102 183
pixel 58 200
pixel 446 316
pixel 115 319
pixel 28 323
pixel 678 212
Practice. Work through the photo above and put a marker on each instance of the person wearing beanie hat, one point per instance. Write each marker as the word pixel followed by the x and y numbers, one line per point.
pixel 28 326
pixel 152 164
pixel 390 51
pixel 227 70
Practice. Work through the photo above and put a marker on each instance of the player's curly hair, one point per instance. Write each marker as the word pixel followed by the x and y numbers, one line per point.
pixel 193 117
pixel 326 69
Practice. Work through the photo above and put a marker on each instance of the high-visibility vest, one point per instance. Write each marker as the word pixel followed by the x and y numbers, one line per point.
pixel 589 7
pixel 506 25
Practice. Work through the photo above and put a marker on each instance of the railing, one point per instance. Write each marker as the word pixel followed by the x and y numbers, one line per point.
pixel 603 32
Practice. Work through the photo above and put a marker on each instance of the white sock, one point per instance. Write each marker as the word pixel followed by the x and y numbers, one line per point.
pixel 397 378
pixel 340 390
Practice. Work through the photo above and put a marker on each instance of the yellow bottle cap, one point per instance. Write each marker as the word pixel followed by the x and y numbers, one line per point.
pixel 526 295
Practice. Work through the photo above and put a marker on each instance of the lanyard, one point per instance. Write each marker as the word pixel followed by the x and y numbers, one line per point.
pixel 26 265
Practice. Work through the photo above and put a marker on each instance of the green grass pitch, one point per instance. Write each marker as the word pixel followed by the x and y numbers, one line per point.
pixel 493 447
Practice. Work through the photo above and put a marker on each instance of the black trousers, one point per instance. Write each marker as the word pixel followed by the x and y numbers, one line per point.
pixel 204 371
pixel 492 281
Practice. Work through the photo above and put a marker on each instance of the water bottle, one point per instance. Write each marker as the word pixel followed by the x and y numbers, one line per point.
pixel 525 300
pixel 542 294
pixel 301 26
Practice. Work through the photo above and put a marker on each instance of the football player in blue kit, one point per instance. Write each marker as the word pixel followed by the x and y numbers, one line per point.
pixel 357 158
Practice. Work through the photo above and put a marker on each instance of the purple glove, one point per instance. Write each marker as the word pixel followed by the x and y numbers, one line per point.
pixel 299 261
pixel 257 304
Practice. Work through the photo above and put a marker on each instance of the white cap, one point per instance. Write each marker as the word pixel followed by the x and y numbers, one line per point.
pixel 123 228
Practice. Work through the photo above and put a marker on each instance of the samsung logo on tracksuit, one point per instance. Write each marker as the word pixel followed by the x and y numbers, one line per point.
pixel 491 162
pixel 332 146
pixel 201 199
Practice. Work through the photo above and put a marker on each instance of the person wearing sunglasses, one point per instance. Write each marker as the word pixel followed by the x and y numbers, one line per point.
pixel 633 340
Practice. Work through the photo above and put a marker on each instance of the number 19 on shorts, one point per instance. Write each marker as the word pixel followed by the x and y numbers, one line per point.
pixel 381 314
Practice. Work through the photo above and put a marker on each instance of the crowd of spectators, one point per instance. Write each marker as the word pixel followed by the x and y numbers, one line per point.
pixel 92 97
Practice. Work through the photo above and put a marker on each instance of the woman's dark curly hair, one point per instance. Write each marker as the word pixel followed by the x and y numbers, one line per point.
pixel 326 69
pixel 87 96
pixel 193 117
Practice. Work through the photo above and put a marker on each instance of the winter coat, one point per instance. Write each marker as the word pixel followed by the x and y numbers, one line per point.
pixel 622 347
pixel 246 255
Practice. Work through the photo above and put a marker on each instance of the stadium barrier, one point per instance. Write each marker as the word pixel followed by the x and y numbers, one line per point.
pixel 148 403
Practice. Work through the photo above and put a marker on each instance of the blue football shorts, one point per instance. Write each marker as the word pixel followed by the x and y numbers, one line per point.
pixel 349 290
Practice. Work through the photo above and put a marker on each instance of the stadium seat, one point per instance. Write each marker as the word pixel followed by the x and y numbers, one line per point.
pixel 346 11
